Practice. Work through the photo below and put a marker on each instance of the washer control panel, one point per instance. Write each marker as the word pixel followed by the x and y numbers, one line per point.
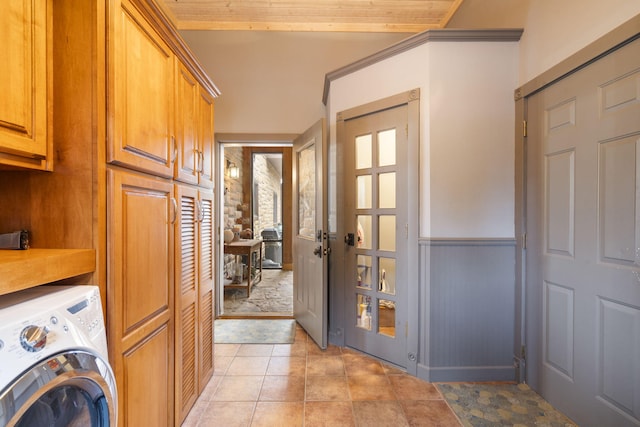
pixel 37 323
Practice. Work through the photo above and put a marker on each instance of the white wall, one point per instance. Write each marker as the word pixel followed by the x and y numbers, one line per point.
pixel 466 130
pixel 271 81
pixel 555 30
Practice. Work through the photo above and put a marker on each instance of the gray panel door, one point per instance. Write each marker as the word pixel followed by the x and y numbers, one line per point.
pixel 583 233
pixel 310 232
pixel 376 216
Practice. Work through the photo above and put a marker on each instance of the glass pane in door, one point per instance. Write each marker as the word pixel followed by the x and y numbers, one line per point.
pixel 364 232
pixel 387 232
pixel 387 275
pixel 307 191
pixel 387 190
pixel 363 190
pixel 363 265
pixel 387 317
pixel 363 151
pixel 364 312
pixel 387 147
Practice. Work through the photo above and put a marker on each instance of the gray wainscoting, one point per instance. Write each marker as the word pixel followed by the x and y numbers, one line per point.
pixel 467 309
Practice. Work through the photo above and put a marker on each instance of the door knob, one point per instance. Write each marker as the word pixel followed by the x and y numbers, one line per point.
pixel 318 251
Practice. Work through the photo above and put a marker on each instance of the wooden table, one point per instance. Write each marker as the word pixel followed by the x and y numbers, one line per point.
pixel 247 247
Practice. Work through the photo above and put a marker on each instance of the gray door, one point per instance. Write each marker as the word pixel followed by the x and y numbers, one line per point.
pixel 376 222
pixel 310 232
pixel 583 241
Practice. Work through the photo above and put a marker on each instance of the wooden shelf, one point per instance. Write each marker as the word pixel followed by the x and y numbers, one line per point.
pixel 32 267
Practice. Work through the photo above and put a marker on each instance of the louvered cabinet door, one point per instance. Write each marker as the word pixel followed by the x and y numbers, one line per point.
pixel 186 326
pixel 206 294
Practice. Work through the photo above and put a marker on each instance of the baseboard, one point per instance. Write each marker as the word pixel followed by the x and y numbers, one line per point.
pixel 467 373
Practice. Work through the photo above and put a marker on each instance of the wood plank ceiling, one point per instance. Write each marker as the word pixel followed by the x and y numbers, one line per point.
pixel 406 16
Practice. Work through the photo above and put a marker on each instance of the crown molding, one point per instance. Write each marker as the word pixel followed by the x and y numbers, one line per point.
pixel 440 35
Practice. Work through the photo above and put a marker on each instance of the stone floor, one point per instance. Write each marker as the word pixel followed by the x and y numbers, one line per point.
pixel 273 295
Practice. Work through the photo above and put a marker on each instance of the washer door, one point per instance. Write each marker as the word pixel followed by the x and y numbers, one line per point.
pixel 73 388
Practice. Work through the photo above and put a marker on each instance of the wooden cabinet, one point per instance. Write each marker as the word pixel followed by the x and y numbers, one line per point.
pixel 140 295
pixel 194 130
pixel 160 233
pixel 114 70
pixel 25 137
pixel 188 155
pixel 194 296
pixel 141 89
pixel 206 139
pixel 206 268
pixel 146 368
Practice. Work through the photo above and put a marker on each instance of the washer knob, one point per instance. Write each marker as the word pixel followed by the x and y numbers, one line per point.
pixel 33 338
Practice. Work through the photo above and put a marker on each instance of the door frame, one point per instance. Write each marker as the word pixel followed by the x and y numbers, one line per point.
pixel 528 316
pixel 412 99
pixel 262 142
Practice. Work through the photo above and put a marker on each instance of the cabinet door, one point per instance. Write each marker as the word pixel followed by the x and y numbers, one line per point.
pixel 24 82
pixel 186 300
pixel 140 289
pixel 188 158
pixel 206 139
pixel 141 91
pixel 146 371
pixel 206 293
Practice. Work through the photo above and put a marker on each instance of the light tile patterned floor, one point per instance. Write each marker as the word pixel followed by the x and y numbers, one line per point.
pixel 300 385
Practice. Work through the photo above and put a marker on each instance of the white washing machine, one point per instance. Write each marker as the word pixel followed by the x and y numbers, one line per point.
pixel 54 368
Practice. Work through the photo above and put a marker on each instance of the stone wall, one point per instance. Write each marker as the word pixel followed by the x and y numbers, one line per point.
pixel 269 187
pixel 269 193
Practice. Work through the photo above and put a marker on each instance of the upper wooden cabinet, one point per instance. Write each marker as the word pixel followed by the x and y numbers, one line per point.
pixel 194 131
pixel 206 139
pixel 141 92
pixel 188 155
pixel 25 138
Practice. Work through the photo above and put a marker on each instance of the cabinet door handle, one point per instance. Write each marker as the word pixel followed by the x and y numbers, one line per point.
pixel 174 149
pixel 200 211
pixel 201 159
pixel 174 203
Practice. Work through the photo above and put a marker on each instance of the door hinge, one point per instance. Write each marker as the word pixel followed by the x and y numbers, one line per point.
pixel 524 128
pixel 523 352
pixel 406 329
pixel 524 241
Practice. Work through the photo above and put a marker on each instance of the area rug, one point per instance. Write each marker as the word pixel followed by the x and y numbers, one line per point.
pixel 273 295
pixel 254 331
pixel 479 404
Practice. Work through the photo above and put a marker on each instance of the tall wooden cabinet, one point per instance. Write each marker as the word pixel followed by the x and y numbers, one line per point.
pixel 25 84
pixel 159 129
pixel 194 296
pixel 140 300
pixel 129 134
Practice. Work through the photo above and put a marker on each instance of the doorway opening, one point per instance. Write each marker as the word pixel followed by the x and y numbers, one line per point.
pixel 255 277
